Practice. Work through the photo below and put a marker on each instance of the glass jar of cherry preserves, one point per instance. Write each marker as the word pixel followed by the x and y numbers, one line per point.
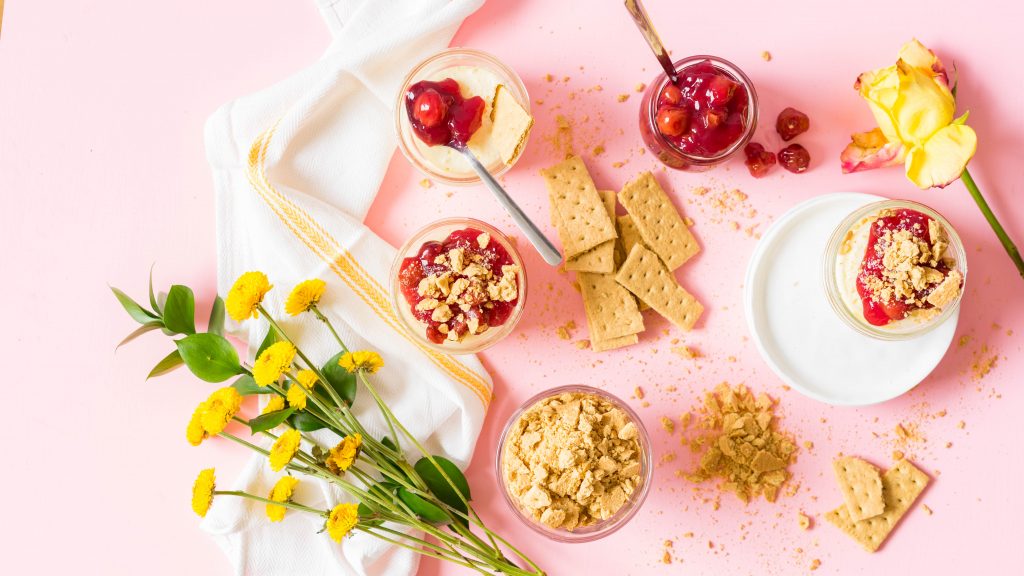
pixel 704 119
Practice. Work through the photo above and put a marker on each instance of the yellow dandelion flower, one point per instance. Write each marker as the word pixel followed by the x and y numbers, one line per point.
pixel 281 492
pixel 304 296
pixel 284 449
pixel 221 407
pixel 342 520
pixel 344 454
pixel 273 405
pixel 297 396
pixel 195 432
pixel 307 378
pixel 246 294
pixel 361 360
pixel 274 361
pixel 202 492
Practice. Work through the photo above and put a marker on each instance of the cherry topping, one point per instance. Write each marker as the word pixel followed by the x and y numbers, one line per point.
pixel 673 121
pixel 705 113
pixel 795 158
pixel 791 123
pixel 759 161
pixel 440 116
pixel 429 108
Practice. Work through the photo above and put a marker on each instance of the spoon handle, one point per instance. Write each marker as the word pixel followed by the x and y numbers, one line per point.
pixel 643 22
pixel 547 250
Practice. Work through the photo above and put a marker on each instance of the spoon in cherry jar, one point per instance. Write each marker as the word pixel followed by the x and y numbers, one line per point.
pixel 643 22
pixel 428 117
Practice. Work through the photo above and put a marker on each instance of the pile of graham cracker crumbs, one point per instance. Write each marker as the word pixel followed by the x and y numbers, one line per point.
pixel 572 460
pixel 741 444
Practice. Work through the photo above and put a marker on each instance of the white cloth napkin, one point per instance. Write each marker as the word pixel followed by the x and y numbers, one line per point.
pixel 296 167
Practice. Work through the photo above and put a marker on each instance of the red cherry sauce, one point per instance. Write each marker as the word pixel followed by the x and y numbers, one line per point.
pixel 415 268
pixel 881 313
pixel 705 113
pixel 440 116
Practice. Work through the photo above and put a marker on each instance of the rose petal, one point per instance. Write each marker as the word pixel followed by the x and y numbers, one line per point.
pixel 917 55
pixel 881 89
pixel 942 159
pixel 869 150
pixel 924 105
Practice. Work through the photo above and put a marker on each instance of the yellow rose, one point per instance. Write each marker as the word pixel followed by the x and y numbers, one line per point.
pixel 915 111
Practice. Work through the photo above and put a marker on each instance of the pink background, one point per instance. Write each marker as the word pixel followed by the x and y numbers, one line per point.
pixel 103 172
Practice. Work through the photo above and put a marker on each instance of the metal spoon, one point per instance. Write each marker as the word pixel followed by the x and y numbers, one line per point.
pixel 643 22
pixel 547 250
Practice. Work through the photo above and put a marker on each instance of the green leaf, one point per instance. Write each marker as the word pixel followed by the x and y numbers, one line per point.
pixel 170 362
pixel 152 295
pixel 147 327
pixel 269 340
pixel 387 441
pixel 137 312
pixel 209 356
pixel 303 421
pixel 269 420
pixel 343 381
pixel 440 487
pixel 180 310
pixel 422 508
pixel 246 386
pixel 216 324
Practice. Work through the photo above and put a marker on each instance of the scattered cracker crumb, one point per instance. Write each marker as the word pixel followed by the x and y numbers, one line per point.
pixel 815 564
pixel 983 363
pixel 961 424
pixel 645 404
pixel 804 520
pixel 684 420
pixel 808 444
pixel 598 150
pixel 666 558
pixel 949 444
pixel 618 164
pixel 686 352
pixel 897 455
pixel 640 87
pixel 964 340
pixel 639 393
pixel 426 183
pixel 927 509
pixel 766 56
pixel 565 331
pixel 622 97
pixel 549 78
pixel 688 221
pixel 582 344
pixel 668 425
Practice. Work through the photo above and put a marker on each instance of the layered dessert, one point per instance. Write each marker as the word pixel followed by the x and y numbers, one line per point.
pixel 473 104
pixel 893 268
pixel 460 287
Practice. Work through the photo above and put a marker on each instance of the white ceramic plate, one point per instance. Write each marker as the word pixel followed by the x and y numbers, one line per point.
pixel 798 333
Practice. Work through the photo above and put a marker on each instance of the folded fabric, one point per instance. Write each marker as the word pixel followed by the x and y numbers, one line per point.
pixel 296 167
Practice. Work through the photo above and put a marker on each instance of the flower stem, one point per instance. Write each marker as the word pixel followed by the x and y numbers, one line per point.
pixel 1004 238
pixel 289 504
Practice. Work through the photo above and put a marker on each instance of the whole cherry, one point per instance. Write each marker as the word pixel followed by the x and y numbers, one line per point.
pixel 429 108
pixel 759 161
pixel 791 123
pixel 795 158
pixel 673 121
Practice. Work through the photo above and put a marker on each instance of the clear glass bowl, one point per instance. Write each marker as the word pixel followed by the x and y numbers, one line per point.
pixel 849 308
pixel 434 68
pixel 604 527
pixel 665 150
pixel 438 231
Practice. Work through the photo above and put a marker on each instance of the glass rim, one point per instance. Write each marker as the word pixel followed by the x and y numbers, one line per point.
pixel 831 282
pixel 401 124
pixel 609 525
pixel 662 79
pixel 478 342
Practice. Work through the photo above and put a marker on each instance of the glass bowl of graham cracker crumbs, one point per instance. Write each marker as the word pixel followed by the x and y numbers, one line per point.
pixel 574 463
